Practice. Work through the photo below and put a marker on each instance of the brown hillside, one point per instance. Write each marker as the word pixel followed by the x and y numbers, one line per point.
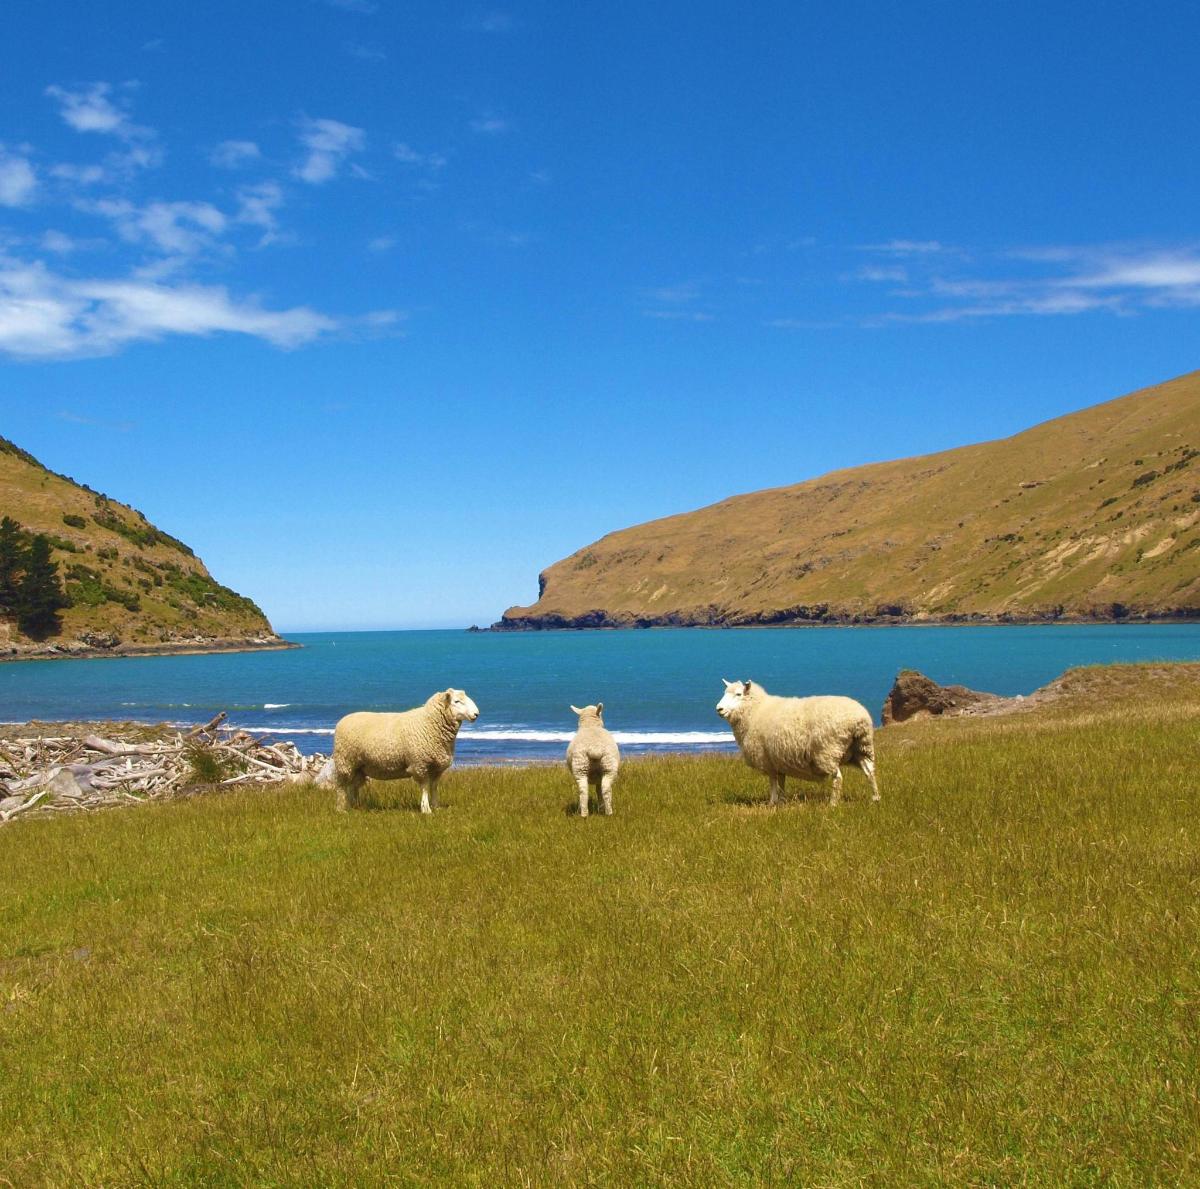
pixel 1095 515
pixel 130 584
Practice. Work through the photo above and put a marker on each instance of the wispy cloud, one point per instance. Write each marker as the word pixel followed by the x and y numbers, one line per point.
pixel 95 422
pixel 44 315
pixel 95 108
pixel 233 154
pixel 672 303
pixel 329 143
pixel 382 243
pixel 257 205
pixel 489 124
pixel 98 108
pixel 364 51
pixel 946 285
pixel 494 21
pixel 877 272
pixel 680 315
pixel 907 247
pixel 18 180
pixel 169 228
pixel 410 156
pixel 685 291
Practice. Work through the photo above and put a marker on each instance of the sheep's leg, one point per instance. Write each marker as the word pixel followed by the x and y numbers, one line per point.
pixel 425 806
pixel 606 783
pixel 777 784
pixel 836 795
pixel 581 783
pixel 868 770
pixel 348 789
pixel 433 797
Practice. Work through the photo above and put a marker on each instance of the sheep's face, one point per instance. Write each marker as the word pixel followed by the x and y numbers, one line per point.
pixel 460 706
pixel 731 703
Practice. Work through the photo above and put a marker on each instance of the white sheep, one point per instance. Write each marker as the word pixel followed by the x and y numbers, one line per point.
pixel 810 738
pixel 593 757
pixel 417 743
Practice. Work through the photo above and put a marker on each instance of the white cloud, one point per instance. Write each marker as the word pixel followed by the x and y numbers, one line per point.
pixel 18 181
pixel 907 247
pixel 382 243
pixel 83 175
pixel 328 142
pixel 172 228
pixel 678 294
pixel 47 316
pixel 489 125
pixel 257 205
pixel 92 109
pixel 364 51
pixel 872 272
pixel 680 315
pixel 232 154
pixel 489 22
pixel 410 156
pixel 1043 281
pixel 62 244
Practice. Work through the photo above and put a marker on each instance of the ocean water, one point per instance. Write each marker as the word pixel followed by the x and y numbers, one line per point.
pixel 659 686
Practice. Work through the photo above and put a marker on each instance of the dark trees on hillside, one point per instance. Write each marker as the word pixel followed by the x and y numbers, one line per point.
pixel 41 597
pixel 11 549
pixel 30 588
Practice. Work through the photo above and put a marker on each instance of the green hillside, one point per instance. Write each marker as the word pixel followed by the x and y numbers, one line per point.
pixel 129 584
pixel 1095 515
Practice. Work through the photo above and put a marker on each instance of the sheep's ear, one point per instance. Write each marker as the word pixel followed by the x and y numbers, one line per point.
pixel 599 707
pixel 729 684
pixel 576 710
pixel 448 697
pixel 745 687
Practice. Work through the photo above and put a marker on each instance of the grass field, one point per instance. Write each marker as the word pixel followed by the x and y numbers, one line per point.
pixel 993 977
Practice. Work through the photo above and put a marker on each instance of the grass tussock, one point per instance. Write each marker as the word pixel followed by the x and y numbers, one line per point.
pixel 993 977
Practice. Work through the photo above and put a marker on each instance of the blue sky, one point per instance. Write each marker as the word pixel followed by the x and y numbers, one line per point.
pixel 383 307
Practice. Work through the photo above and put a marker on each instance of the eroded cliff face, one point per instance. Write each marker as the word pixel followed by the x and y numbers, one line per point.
pixel 131 586
pixel 1092 516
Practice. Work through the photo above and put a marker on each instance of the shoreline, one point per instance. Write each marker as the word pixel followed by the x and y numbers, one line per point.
pixel 78 651
pixel 601 621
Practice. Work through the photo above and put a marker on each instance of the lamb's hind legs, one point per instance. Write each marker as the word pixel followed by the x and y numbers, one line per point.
pixel 425 787
pixel 606 783
pixel 581 783
pixel 868 770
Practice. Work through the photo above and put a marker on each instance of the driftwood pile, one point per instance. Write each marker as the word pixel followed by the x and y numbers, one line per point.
pixel 65 773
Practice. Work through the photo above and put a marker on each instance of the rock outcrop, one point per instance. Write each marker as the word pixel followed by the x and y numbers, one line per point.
pixel 913 695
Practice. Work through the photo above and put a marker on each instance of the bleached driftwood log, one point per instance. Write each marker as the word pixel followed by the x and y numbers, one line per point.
pixel 63 772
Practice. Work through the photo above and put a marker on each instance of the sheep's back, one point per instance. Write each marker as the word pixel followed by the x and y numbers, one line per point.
pixel 806 737
pixel 593 748
pixel 387 743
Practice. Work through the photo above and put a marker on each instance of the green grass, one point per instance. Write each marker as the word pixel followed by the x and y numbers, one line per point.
pixel 993 977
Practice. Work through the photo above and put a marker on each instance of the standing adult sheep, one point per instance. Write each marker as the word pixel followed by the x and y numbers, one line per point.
pixel 593 758
pixel 809 738
pixel 416 743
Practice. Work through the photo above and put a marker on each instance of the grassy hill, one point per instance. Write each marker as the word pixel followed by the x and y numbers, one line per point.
pixel 990 978
pixel 1095 515
pixel 130 585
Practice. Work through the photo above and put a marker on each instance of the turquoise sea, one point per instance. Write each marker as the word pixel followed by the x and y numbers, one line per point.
pixel 659 687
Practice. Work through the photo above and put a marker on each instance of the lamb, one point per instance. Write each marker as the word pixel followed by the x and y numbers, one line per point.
pixel 418 743
pixel 593 757
pixel 810 738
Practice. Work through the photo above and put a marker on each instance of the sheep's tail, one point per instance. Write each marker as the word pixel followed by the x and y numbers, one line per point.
pixel 862 742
